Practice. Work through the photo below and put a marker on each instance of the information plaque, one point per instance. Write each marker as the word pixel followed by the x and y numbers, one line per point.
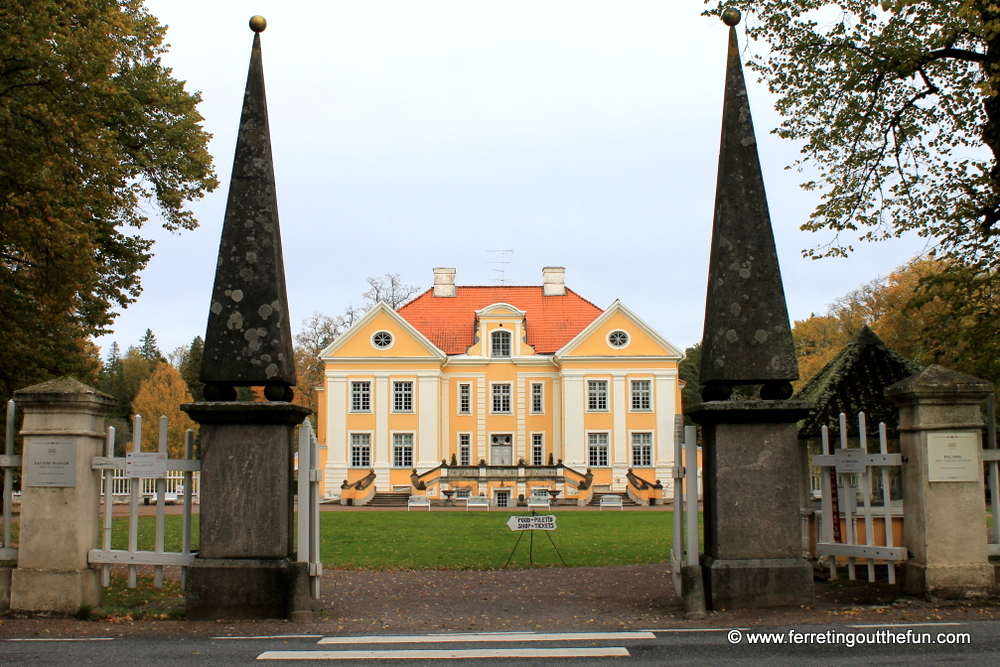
pixel 850 461
pixel 547 522
pixel 147 465
pixel 951 457
pixel 50 463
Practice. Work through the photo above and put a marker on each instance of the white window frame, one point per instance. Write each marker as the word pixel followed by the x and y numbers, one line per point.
pixel 361 399
pixel 465 398
pixel 601 449
pixel 498 334
pixel 462 492
pixel 538 398
pixel 400 395
pixel 634 394
pixel 597 395
pixel 628 339
pixel 381 335
pixel 357 447
pixel 497 393
pixel 642 451
pixel 465 449
pixel 402 451
pixel 537 449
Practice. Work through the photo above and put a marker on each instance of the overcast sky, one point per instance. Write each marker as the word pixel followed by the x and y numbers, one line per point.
pixel 412 135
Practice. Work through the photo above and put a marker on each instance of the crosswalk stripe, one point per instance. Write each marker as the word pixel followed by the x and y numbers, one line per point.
pixel 440 654
pixel 488 637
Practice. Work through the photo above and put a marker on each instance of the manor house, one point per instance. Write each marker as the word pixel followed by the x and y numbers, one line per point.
pixel 501 391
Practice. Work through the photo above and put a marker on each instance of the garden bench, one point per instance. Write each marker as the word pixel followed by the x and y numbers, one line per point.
pixel 477 501
pixel 538 501
pixel 612 500
pixel 418 501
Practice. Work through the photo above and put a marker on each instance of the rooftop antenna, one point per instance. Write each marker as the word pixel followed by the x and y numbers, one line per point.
pixel 504 261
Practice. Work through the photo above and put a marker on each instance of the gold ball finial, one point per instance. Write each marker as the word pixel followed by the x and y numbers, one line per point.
pixel 731 16
pixel 258 23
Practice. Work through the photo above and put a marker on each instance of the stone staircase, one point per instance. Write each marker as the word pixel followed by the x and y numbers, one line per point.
pixel 595 500
pixel 386 499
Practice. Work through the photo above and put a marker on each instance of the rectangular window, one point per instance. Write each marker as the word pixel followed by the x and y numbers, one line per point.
pixel 537 451
pixel 598 450
pixel 402 396
pixel 641 395
pixel 597 394
pixel 537 404
pixel 361 396
pixel 361 450
pixel 464 399
pixel 642 450
pixel 501 398
pixel 462 492
pixel 464 449
pixel 402 450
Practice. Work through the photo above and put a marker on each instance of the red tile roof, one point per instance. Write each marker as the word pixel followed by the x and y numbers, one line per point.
pixel 450 322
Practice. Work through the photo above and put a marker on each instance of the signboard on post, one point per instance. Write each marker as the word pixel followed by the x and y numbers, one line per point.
pixel 50 463
pixel 850 461
pixel 952 457
pixel 147 465
pixel 547 522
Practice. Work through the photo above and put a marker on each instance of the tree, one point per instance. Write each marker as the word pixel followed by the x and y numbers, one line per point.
pixel 162 394
pixel 149 349
pixel 390 289
pixel 94 131
pixel 929 311
pixel 895 102
pixel 190 367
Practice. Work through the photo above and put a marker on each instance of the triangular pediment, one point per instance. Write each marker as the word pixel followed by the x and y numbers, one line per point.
pixel 382 334
pixel 618 332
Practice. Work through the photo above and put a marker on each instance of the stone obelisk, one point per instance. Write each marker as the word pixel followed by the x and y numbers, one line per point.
pixel 245 568
pixel 752 465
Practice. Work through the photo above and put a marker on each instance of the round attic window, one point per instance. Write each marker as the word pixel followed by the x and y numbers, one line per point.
pixel 382 340
pixel 618 339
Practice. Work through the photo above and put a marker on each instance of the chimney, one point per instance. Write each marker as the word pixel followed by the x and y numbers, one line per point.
pixel 554 281
pixel 444 282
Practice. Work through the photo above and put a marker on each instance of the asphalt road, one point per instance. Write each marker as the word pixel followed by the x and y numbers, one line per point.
pixel 975 642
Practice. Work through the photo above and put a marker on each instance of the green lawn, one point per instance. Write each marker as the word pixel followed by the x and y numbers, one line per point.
pixel 462 540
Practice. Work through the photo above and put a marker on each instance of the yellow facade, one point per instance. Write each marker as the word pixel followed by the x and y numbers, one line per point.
pixel 499 419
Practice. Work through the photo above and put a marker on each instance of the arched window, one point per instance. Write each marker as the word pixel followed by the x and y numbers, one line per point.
pixel 500 344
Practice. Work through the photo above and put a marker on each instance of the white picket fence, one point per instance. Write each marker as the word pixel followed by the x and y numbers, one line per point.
pixel 9 463
pixel 129 466
pixel 841 471
pixel 685 549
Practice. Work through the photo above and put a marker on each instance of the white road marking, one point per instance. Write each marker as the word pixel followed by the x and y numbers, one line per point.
pixel 663 630
pixel 272 637
pixel 62 639
pixel 442 654
pixel 488 637
pixel 903 625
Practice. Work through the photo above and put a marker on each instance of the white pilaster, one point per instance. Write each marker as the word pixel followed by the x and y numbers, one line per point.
pixel 427 426
pixel 381 450
pixel 574 446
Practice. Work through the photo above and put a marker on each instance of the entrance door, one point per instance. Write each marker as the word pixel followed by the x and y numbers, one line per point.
pixel 501 450
pixel 502 498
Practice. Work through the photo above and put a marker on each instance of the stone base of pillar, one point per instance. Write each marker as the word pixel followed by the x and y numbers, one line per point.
pixel 235 589
pixel 757 583
pixel 58 591
pixel 954 581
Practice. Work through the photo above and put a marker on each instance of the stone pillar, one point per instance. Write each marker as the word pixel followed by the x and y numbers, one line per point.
pixel 751 469
pixel 60 503
pixel 944 528
pixel 244 568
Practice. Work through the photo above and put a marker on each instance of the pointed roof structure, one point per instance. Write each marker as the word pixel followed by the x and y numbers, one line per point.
pixel 248 341
pixel 855 381
pixel 747 338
